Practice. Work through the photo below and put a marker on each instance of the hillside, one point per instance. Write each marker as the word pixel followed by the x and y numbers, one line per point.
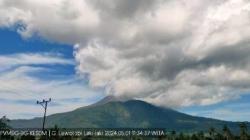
pixel 126 114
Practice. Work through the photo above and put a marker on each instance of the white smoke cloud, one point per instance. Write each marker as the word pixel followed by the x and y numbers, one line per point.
pixel 171 53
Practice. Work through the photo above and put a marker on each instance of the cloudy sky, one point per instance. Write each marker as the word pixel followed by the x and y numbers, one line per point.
pixel 190 55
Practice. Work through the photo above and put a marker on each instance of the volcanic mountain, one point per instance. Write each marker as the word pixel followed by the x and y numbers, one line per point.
pixel 113 113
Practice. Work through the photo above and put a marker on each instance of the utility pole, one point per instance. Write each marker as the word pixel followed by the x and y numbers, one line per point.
pixel 44 104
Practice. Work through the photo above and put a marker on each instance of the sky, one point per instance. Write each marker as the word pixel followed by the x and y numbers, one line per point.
pixel 192 56
pixel 34 70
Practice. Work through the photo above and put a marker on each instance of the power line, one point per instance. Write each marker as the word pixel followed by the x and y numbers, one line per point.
pixel 44 104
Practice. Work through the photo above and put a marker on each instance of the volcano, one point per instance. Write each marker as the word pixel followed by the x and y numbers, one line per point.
pixel 113 113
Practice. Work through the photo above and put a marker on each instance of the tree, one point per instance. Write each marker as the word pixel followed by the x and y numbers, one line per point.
pixel 181 136
pixel 218 136
pixel 201 135
pixel 194 137
pixel 173 135
pixel 243 131
pixel 4 122
pixel 4 126
pixel 212 133
pixel 227 133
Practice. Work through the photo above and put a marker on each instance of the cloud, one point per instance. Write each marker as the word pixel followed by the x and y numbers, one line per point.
pixel 58 20
pixel 171 53
pixel 230 112
pixel 19 59
pixel 19 88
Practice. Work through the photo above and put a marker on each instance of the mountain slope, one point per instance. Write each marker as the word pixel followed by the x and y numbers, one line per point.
pixel 127 114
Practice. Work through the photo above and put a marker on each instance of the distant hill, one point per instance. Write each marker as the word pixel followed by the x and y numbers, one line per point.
pixel 113 113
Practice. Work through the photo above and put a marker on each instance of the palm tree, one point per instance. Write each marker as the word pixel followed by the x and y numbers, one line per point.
pixel 243 131
pixel 227 133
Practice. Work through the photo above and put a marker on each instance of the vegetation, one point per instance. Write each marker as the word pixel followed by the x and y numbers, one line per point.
pixel 4 126
pixel 211 134
pixel 3 123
